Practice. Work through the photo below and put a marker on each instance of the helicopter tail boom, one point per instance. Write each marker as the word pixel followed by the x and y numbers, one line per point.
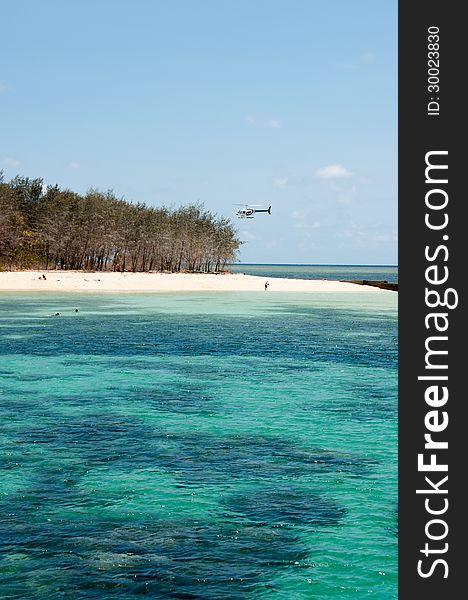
pixel 267 210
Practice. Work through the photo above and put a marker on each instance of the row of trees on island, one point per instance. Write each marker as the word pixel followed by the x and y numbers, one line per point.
pixel 47 227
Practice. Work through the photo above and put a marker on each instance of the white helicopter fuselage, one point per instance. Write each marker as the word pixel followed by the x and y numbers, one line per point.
pixel 248 212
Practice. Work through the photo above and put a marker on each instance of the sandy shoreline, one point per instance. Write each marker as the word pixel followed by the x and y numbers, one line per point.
pixel 72 281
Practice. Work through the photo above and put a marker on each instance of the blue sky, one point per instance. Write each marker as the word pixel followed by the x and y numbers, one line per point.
pixel 291 103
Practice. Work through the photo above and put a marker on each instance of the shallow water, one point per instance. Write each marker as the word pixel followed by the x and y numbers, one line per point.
pixel 221 445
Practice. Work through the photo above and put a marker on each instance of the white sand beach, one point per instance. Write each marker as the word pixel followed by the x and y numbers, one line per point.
pixel 72 281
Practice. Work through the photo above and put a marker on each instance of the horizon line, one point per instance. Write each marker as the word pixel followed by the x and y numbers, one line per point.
pixel 315 264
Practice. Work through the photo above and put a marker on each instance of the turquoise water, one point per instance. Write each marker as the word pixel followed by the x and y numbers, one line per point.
pixel 222 445
pixel 334 272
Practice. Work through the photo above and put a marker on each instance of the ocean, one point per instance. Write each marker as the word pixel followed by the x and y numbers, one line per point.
pixel 334 272
pixel 199 445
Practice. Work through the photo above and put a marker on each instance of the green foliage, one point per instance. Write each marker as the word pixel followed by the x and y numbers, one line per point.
pixel 53 228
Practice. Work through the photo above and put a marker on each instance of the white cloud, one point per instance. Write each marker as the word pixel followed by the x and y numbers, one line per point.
pixel 365 233
pixel 298 214
pixel 74 165
pixel 299 224
pixel 248 235
pixel 352 233
pixel 280 182
pixel 333 172
pixel 4 87
pixel 11 162
pixel 273 124
pixel 385 238
pixel 310 234
pixel 300 221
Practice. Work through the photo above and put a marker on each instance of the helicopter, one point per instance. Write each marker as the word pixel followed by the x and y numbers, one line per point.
pixel 248 211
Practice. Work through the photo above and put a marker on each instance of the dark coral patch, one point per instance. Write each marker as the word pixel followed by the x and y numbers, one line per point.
pixel 278 507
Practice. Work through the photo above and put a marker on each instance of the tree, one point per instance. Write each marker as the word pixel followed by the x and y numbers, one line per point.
pixel 54 228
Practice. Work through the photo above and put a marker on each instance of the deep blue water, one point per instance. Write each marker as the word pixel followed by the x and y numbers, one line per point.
pixel 334 272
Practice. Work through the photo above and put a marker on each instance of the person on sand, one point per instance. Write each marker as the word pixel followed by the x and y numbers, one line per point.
pixel 266 285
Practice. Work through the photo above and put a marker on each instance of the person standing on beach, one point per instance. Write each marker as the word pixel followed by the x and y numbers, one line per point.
pixel 266 285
